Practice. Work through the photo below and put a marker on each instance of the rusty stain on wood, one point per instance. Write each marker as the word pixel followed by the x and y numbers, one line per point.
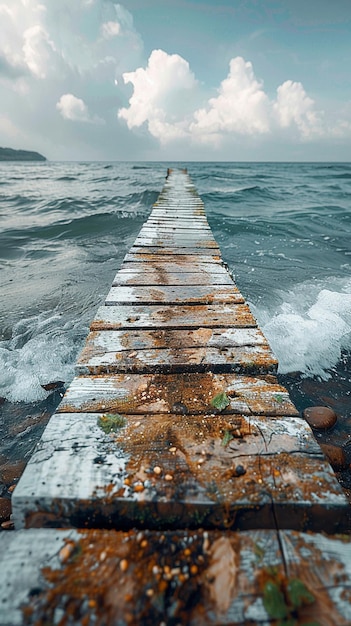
pixel 170 295
pixel 149 393
pixel 202 578
pixel 230 471
pixel 176 317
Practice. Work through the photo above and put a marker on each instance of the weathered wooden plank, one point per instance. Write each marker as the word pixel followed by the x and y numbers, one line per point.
pixel 174 223
pixel 322 564
pixel 199 250
pixel 174 577
pixel 187 232
pixel 168 224
pixel 181 213
pixel 180 259
pixel 128 340
pixel 169 266
pixel 243 350
pixel 249 360
pixel 176 242
pixel 200 578
pixel 224 472
pixel 191 295
pixel 149 275
pixel 186 393
pixel 155 316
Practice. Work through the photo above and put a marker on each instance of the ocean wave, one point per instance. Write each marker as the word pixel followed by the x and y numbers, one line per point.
pixel 246 193
pixel 311 328
pixel 42 350
pixel 77 228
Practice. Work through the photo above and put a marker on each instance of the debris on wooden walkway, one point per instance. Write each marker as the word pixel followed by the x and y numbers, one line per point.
pixel 173 436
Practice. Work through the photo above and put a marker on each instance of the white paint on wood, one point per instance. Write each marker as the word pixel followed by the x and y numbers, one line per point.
pixel 181 316
pixel 194 294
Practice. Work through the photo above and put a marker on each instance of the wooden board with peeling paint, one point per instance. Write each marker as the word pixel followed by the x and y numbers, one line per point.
pixel 199 250
pixel 190 295
pixel 177 243
pixel 250 360
pixel 181 316
pixel 178 471
pixel 156 576
pixel 169 256
pixel 102 342
pixel 244 350
pixel 149 275
pixel 170 266
pixel 186 393
pixel 186 232
pixel 179 224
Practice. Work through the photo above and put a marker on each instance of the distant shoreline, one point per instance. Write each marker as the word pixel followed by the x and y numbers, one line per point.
pixel 8 154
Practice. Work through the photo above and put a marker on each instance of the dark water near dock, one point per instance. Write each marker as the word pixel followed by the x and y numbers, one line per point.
pixel 284 230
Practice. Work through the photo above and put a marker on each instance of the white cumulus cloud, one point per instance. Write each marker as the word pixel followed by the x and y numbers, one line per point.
pixel 293 107
pixel 162 93
pixel 166 95
pixel 241 105
pixel 75 109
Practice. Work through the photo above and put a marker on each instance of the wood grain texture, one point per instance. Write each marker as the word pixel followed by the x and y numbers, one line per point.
pixel 168 256
pixel 177 266
pixel 170 295
pixel 181 316
pixel 150 275
pixel 268 472
pixel 199 578
pixel 192 392
pixel 200 249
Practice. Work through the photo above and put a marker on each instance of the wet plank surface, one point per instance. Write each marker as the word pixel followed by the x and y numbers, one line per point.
pixel 183 577
pixel 178 471
pixel 193 294
pixel 233 349
pixel 193 393
pixel 177 256
pixel 169 267
pixel 247 359
pixel 99 343
pixel 206 248
pixel 147 275
pixel 181 316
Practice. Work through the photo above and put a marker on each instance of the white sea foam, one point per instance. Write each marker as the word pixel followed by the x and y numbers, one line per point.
pixel 311 328
pixel 42 349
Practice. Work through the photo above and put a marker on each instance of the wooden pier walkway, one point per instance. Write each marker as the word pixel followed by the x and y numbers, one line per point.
pixel 176 483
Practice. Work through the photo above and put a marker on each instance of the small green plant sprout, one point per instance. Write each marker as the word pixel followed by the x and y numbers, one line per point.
pixel 110 423
pixel 274 601
pixel 220 401
pixel 283 600
pixel 298 593
pixel 227 437
pixel 259 552
pixel 279 398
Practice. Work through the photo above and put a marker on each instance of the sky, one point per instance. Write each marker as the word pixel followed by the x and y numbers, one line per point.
pixel 168 80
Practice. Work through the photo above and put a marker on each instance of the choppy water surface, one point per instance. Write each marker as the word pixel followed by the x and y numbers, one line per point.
pixel 284 230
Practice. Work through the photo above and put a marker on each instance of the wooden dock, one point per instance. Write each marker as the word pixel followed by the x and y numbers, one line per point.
pixel 176 483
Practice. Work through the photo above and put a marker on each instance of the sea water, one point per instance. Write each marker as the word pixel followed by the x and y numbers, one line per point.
pixel 284 229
